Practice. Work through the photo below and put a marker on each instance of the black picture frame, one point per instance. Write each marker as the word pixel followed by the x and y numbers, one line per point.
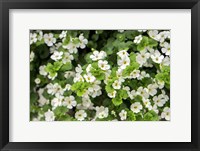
pixel 5 5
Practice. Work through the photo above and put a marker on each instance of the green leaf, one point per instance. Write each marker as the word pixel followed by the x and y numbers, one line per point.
pixel 117 101
pixel 67 66
pixel 43 51
pixel 33 97
pixel 57 65
pixel 60 110
pixel 131 116
pixel 151 116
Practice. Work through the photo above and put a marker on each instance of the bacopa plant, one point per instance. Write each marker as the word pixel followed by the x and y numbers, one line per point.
pixel 99 75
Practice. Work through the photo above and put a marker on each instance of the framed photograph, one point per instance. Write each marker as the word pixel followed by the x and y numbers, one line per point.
pixel 99 75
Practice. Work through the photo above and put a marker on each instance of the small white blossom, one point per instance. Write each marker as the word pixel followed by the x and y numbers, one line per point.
pixel 83 41
pixel 138 39
pixel 135 74
pixel 98 55
pixel 57 55
pixel 63 34
pixel 103 65
pixel 49 116
pixel 67 58
pixel 101 112
pixel 33 38
pixel 123 53
pixel 49 39
pixel 70 102
pixel 79 69
pixel 57 101
pixel 78 78
pixel 116 84
pixel 157 57
pixel 123 115
pixel 152 89
pixel 80 115
pixel 32 55
pixel 123 62
pixel 136 107
pixel 159 100
pixel 166 49
pixel 37 80
pixel 166 113
pixel 112 94
pixel 42 70
pixel 142 57
pixel 89 77
pixel 143 92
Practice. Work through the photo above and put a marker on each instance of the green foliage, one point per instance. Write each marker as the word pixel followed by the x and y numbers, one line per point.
pixel 151 116
pixel 146 42
pixel 80 87
pixel 164 75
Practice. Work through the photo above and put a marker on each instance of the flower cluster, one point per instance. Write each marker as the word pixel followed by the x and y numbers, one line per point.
pixel 100 75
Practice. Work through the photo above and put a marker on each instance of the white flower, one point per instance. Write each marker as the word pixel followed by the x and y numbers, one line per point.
pixel 67 58
pixel 161 84
pixel 132 94
pixel 137 39
pixel 123 53
pixel 162 36
pixel 123 115
pixel 63 34
pixel 32 55
pixel 83 41
pixel 88 68
pixel 70 102
pixel 103 65
pixel 40 36
pixel 87 103
pixel 42 70
pixel 153 34
pixel 157 57
pixel 135 74
pixel 67 87
pixel 142 57
pixel 52 77
pixel 54 89
pixel 152 89
pixel 159 100
pixel 78 69
pixel 33 38
pixel 49 39
pixel 143 92
pixel 55 47
pixel 57 55
pixel 49 116
pixel 55 102
pixel 72 47
pixel 123 62
pixel 101 112
pixel 147 103
pixel 166 48
pixel 69 74
pixel 136 107
pixel 80 115
pixel 166 113
pixel 116 84
pixel 98 55
pixel 37 80
pixel 112 94
pixel 78 78
pixel 166 61
pixel 89 77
